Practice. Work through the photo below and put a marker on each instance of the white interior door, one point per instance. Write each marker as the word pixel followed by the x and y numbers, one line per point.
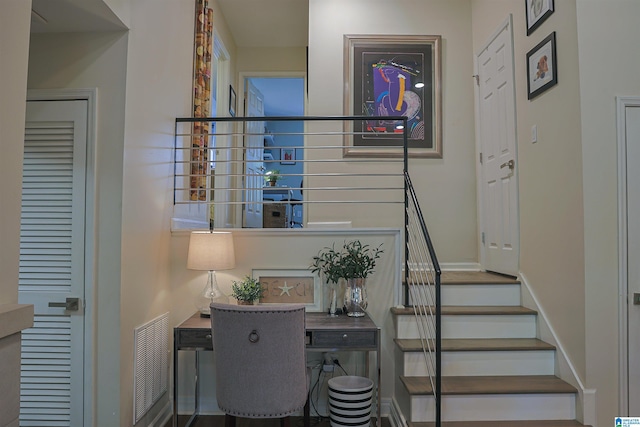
pixel 51 277
pixel 253 160
pixel 498 160
pixel 632 114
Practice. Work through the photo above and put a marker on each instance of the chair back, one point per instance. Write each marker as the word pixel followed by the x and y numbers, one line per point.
pixel 260 359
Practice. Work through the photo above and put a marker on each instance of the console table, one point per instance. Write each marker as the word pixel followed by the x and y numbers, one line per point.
pixel 323 334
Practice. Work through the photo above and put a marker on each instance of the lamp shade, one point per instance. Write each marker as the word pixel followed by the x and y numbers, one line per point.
pixel 211 251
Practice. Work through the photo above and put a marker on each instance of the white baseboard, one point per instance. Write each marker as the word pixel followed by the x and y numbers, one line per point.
pixel 385 407
pixel 396 419
pixel 586 402
pixel 589 407
pixel 460 266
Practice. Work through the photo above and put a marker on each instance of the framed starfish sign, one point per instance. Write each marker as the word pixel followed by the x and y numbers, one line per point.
pixel 290 287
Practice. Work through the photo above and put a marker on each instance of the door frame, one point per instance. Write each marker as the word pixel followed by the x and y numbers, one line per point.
pixel 240 84
pixel 508 22
pixel 89 95
pixel 622 102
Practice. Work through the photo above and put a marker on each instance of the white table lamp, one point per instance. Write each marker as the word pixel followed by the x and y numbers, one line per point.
pixel 211 251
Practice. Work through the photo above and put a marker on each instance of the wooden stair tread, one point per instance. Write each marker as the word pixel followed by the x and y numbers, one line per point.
pixel 471 310
pixel 494 384
pixel 509 423
pixel 478 344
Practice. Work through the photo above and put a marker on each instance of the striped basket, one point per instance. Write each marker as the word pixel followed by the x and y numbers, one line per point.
pixel 350 400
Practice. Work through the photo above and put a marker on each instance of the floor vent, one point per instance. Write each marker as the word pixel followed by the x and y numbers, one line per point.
pixel 151 364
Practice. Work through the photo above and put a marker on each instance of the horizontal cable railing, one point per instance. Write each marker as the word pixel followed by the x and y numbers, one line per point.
pixel 422 291
pixel 225 163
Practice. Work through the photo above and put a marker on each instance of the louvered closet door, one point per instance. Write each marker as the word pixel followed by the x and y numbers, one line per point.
pixel 52 262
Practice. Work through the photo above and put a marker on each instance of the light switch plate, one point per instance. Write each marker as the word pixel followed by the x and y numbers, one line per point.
pixel 534 133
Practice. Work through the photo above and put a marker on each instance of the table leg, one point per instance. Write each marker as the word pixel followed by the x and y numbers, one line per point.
pixel 196 409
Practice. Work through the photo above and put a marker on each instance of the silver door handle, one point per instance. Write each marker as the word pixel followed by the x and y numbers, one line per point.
pixel 70 304
pixel 511 164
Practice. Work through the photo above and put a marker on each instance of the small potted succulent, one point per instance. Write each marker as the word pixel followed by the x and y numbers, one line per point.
pixel 248 291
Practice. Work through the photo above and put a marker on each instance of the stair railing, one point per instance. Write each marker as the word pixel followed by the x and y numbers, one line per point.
pixel 422 291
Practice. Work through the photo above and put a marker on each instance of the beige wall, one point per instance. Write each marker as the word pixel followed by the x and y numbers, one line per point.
pixel 550 171
pixel 607 70
pixel 97 60
pixel 14 46
pixel 159 86
pixel 446 187
pixel 121 9
pixel 271 60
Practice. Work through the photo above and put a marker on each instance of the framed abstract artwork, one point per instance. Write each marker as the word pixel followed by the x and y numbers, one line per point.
pixel 393 76
pixel 542 66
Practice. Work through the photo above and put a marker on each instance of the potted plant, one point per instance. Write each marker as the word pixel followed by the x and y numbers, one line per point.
pixel 327 264
pixel 272 176
pixel 354 263
pixel 247 291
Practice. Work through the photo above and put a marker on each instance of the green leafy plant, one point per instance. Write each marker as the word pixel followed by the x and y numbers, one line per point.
pixel 353 260
pixel 249 289
pixel 272 175
pixel 327 263
pixel 358 260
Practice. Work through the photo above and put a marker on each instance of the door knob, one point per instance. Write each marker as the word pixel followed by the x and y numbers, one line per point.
pixel 70 304
pixel 510 164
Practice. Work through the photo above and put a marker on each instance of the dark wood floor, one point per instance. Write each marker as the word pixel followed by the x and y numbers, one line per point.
pixel 218 421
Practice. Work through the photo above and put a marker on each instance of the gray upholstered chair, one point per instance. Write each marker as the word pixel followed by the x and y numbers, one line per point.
pixel 260 361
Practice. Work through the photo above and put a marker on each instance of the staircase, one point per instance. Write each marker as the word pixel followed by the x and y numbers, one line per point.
pixel 495 372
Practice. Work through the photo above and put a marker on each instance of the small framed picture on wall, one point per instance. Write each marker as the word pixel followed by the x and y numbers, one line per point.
pixel 288 156
pixel 232 101
pixel 542 67
pixel 537 12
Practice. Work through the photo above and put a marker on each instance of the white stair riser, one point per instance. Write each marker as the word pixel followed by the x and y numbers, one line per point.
pixel 496 407
pixel 474 326
pixel 471 363
pixel 477 295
